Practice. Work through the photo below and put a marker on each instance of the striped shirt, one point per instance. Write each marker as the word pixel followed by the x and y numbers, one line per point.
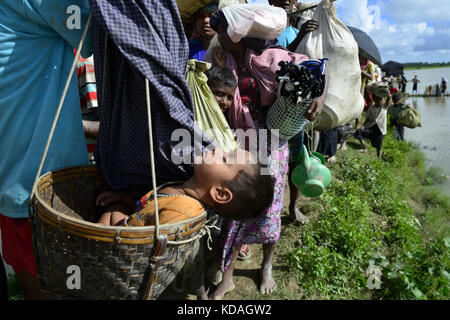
pixel 86 84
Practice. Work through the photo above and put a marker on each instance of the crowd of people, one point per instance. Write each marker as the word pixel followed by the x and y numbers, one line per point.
pixel 106 111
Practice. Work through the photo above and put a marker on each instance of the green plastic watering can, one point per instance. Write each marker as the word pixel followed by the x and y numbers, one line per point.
pixel 311 176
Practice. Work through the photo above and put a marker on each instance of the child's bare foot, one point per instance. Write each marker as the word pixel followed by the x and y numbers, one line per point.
pixel 224 287
pixel 296 214
pixel 268 284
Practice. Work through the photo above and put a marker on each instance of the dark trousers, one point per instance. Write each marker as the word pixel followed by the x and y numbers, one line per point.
pixel 399 131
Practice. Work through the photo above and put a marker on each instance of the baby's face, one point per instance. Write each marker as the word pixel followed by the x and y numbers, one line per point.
pixel 224 95
pixel 218 167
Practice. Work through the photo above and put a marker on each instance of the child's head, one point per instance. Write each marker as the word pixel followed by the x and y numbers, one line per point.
pixel 396 97
pixel 223 84
pixel 233 184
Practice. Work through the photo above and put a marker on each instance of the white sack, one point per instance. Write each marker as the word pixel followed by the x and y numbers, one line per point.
pixel 255 21
pixel 334 41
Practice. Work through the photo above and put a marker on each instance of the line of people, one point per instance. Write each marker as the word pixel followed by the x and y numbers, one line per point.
pixel 242 79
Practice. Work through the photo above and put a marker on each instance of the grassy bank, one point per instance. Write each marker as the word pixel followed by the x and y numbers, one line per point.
pixel 378 220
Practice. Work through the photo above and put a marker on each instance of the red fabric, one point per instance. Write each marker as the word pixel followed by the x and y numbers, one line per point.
pixel 393 90
pixel 91 147
pixel 17 247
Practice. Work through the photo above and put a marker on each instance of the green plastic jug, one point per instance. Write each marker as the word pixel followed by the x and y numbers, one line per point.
pixel 311 176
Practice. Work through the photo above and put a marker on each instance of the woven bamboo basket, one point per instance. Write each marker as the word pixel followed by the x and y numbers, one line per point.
pixel 114 262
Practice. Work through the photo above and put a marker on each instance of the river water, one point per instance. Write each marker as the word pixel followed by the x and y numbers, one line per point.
pixel 434 135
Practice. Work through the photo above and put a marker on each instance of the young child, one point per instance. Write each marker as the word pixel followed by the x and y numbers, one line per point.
pixel 229 184
pixel 374 127
pixel 394 113
pixel 223 84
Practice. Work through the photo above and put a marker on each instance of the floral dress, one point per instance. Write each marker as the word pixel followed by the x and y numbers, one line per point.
pixel 266 229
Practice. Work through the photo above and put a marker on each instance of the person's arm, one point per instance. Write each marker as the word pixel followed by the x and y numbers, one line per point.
pixel 91 128
pixel 367 75
pixel 316 106
pixel 62 16
pixel 306 28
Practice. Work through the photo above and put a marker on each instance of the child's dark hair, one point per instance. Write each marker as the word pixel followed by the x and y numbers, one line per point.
pixel 221 75
pixel 252 194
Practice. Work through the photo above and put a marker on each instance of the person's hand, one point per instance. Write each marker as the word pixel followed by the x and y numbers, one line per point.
pixel 308 27
pixel 315 108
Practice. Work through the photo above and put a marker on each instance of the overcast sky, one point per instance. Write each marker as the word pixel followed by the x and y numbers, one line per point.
pixel 404 30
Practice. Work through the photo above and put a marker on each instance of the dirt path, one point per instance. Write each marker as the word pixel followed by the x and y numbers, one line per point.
pixel 247 273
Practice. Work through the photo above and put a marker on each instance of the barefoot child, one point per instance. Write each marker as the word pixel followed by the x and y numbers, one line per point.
pixel 374 127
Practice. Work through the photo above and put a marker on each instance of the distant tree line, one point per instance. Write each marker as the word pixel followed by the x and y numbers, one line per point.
pixel 420 65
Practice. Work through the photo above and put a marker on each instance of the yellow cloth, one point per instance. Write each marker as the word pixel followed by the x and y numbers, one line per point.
pixel 370 70
pixel 207 113
pixel 171 207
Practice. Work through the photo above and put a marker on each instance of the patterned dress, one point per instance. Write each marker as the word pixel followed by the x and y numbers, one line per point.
pixel 265 229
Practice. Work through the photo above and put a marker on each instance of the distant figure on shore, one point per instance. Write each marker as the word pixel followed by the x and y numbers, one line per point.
pixel 403 83
pixel 444 84
pixel 415 81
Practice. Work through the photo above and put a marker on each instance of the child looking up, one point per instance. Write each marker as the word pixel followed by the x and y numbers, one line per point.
pixel 374 127
pixel 228 183
pixel 223 84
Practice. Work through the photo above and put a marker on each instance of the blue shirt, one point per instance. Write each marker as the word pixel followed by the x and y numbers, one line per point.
pixel 289 34
pixel 196 50
pixel 36 54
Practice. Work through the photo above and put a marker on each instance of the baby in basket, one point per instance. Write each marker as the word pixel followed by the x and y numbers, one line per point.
pixel 231 184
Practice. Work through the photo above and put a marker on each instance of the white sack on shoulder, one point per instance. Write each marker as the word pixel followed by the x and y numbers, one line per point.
pixel 334 41
pixel 255 21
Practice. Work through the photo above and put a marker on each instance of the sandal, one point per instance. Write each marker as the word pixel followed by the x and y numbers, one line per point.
pixel 244 253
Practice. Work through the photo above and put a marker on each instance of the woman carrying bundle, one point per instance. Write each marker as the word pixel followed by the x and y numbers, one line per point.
pixel 254 62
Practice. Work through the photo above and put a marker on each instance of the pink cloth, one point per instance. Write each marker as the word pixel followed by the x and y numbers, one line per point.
pixel 264 67
pixel 238 116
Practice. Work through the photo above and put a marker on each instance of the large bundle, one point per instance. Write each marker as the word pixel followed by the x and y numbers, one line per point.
pixel 410 118
pixel 334 41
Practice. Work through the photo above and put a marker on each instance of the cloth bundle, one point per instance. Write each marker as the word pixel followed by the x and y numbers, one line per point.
pixel 379 89
pixel 207 114
pixel 254 21
pixel 410 118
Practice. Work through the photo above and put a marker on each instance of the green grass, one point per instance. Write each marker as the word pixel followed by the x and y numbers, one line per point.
pixel 386 213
